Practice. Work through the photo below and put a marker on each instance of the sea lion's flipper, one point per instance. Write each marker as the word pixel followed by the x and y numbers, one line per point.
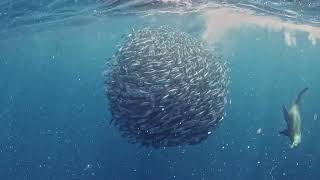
pixel 292 146
pixel 285 113
pixel 285 132
pixel 300 94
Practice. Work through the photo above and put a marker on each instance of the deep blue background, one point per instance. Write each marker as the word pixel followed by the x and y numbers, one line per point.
pixel 54 117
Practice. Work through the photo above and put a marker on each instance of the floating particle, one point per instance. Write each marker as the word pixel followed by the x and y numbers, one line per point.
pixel 259 131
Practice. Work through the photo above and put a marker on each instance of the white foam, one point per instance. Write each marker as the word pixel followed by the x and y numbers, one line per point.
pixel 184 2
pixel 220 21
pixel 290 39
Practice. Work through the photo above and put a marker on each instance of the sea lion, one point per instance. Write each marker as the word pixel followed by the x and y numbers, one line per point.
pixel 293 120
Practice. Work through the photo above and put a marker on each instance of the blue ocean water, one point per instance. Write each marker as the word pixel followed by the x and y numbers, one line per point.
pixel 54 121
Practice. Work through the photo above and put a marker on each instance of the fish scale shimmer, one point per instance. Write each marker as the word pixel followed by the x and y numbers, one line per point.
pixel 165 88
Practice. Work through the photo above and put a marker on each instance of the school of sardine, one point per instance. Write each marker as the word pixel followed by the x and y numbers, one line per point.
pixel 166 88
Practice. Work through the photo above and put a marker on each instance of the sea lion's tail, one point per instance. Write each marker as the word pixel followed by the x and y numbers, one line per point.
pixel 298 99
